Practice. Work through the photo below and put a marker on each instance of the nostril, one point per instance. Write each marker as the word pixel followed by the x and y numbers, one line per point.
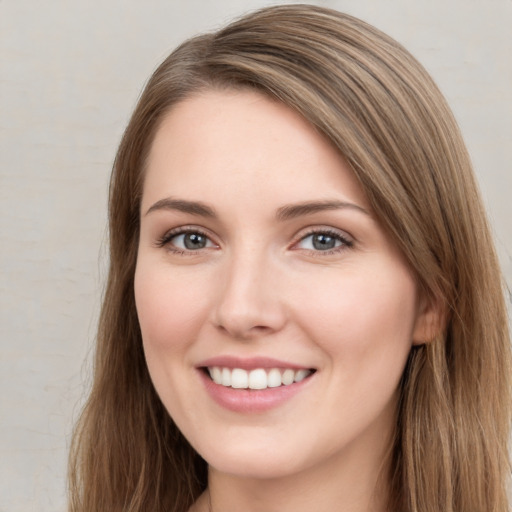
pixel 260 328
pixel 240 331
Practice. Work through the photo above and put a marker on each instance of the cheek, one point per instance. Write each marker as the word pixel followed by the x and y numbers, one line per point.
pixel 170 309
pixel 366 320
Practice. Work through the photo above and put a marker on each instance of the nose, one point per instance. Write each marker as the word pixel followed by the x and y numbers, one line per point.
pixel 249 304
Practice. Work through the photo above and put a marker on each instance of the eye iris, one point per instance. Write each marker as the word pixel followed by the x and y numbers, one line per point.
pixel 323 242
pixel 194 241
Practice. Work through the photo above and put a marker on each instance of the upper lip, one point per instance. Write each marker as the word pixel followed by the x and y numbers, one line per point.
pixel 249 363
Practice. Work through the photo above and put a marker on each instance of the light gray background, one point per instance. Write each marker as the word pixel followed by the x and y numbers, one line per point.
pixel 71 73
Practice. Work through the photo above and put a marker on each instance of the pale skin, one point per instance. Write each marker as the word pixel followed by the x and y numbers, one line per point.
pixel 232 263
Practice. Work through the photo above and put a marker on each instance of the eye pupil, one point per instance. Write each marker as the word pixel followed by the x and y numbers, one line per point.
pixel 194 241
pixel 323 242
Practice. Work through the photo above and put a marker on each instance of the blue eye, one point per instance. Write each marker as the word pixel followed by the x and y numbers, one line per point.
pixel 323 241
pixel 186 241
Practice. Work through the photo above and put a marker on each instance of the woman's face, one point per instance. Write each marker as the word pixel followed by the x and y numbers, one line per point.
pixel 260 264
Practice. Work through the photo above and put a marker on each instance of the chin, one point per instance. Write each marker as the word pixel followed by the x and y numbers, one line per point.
pixel 252 460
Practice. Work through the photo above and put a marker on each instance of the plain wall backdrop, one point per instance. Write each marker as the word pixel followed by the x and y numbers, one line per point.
pixel 71 74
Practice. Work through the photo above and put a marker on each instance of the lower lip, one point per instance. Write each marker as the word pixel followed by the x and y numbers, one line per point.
pixel 251 400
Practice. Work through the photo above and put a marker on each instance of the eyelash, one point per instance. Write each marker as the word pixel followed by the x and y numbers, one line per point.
pixel 165 240
pixel 346 243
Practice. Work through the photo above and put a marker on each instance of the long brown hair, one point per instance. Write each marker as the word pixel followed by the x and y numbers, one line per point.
pixel 383 112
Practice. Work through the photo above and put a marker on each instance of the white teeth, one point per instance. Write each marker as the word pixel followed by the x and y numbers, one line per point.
pixel 216 375
pixel 226 377
pixel 274 378
pixel 287 377
pixel 239 379
pixel 256 379
pixel 301 375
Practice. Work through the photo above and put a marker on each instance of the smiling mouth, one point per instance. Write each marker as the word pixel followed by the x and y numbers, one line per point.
pixel 259 378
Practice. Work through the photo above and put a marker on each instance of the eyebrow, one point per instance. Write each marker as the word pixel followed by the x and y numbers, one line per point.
pixel 191 207
pixel 298 210
pixel 283 213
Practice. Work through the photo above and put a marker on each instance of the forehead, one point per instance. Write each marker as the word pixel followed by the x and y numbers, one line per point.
pixel 242 143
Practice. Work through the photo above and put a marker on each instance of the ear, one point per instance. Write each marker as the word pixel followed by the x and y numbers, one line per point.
pixel 430 320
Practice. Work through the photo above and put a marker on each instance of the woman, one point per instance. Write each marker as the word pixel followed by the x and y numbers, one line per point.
pixel 304 308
